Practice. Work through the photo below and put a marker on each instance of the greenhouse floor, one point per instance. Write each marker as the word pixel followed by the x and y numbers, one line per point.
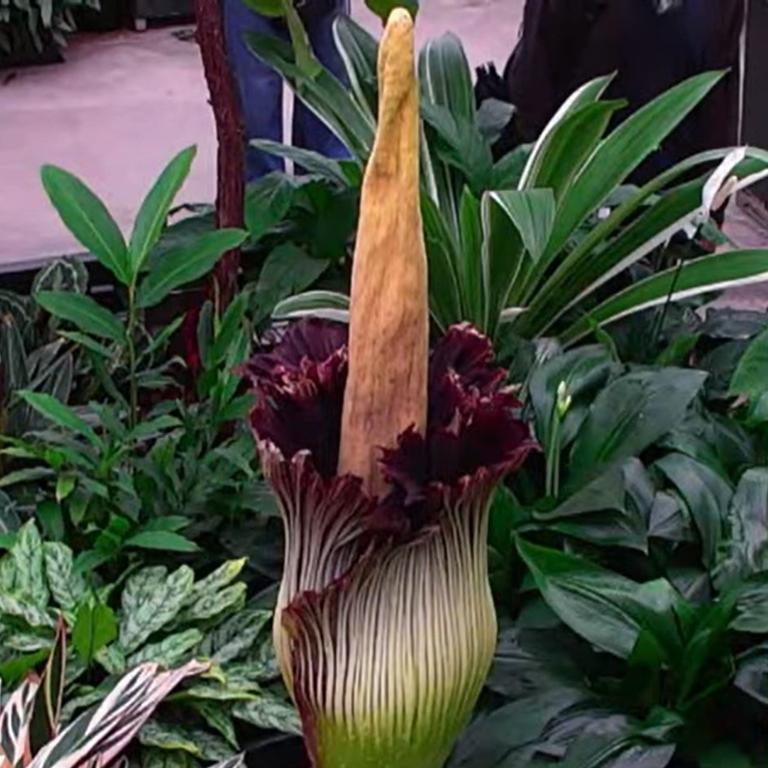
pixel 123 103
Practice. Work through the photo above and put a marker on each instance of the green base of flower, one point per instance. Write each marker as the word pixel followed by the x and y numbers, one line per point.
pixel 337 748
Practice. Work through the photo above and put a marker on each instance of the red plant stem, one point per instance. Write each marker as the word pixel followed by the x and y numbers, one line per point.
pixel 230 139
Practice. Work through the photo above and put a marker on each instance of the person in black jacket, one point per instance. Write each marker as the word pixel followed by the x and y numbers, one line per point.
pixel 650 44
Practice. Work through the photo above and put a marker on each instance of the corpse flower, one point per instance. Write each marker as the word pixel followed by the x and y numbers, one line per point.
pixel 383 458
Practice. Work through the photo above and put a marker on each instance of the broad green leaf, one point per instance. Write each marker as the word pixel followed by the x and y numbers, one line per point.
pixel 60 414
pixel 185 265
pixel 27 475
pixel 277 194
pixel 628 416
pixel 235 636
pixel 84 312
pixel 707 496
pixel 751 375
pixel 27 555
pixel 169 651
pixel 151 599
pixel 213 604
pixel 605 608
pixel 166 541
pixel 359 51
pixel 587 94
pixel 746 546
pixel 624 150
pixel 168 736
pixel 88 219
pixel 222 577
pixel 324 94
pixel 709 273
pixel 12 670
pixel 269 711
pixel 153 213
pixel 570 145
pixel 95 627
pixel 217 718
pixel 22 608
pixel 67 587
pixel 267 201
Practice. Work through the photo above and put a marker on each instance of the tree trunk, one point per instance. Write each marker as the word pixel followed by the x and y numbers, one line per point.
pixel 229 134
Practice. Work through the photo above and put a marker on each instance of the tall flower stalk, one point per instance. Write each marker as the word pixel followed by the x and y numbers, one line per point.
pixel 383 458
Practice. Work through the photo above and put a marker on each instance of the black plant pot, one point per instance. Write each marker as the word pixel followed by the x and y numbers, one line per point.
pixel 24 52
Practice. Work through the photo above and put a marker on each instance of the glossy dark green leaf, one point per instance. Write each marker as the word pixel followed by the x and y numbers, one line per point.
pixel 605 608
pixel 751 375
pixel 154 209
pixel 629 415
pixel 84 312
pixel 95 627
pixel 707 496
pixel 88 219
pixel 185 265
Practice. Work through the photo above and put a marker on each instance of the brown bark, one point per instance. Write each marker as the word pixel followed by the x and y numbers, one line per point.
pixel 230 139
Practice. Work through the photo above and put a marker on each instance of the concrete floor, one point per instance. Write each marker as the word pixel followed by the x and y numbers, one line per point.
pixel 124 103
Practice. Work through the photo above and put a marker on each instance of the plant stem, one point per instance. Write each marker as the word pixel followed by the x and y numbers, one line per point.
pixel 133 412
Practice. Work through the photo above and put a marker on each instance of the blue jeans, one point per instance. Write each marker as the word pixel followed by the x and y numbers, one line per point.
pixel 261 89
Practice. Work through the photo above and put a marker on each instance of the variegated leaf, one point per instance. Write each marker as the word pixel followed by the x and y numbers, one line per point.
pixel 218 692
pixel 168 736
pixel 15 722
pixel 27 554
pixel 151 599
pixel 106 731
pixel 263 662
pixel 209 605
pixel 67 586
pixel 170 650
pixel 216 715
pixel 235 636
pixel 160 758
pixel 223 576
pixel 269 711
pixel 27 642
pixel 235 762
pixel 21 608
pixel 112 659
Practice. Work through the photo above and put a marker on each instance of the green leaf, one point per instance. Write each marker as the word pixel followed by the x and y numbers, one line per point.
pixel 27 475
pixel 209 605
pixel 27 557
pixel 279 190
pixel 153 213
pixel 605 608
pixel 751 375
pixel 746 549
pixel 170 651
pixel 325 304
pixel 707 496
pixel 60 414
pixel 151 599
pixel 235 636
pixel 167 541
pixel 269 711
pixel 51 519
pixel 12 670
pixel 218 719
pixel 67 587
pixel 628 416
pixel 725 755
pixel 709 273
pixel 186 264
pixel 95 627
pixel 222 577
pixel 624 150
pixel 382 8
pixel 88 219
pixel 84 312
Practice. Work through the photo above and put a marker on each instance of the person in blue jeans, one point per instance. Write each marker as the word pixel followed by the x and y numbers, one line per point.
pixel 261 89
